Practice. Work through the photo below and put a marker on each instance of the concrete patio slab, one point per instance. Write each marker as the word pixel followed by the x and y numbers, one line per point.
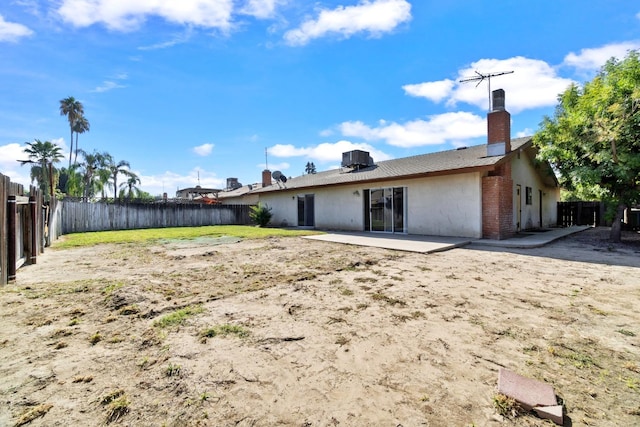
pixel 400 242
pixel 430 244
pixel 531 239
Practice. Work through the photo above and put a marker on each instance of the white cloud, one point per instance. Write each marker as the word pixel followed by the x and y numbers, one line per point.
pixel 369 16
pixel 9 166
pixel 275 166
pixel 524 132
pixel 12 32
pixel 170 182
pixel 325 152
pixel 125 15
pixel 435 91
pixel 107 85
pixel 594 58
pixel 203 150
pixel 177 39
pixel 438 129
pixel 261 9
pixel 533 84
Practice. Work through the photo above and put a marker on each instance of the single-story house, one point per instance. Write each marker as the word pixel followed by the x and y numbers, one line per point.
pixel 491 191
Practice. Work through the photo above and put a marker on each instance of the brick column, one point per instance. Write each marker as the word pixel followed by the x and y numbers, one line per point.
pixel 497 204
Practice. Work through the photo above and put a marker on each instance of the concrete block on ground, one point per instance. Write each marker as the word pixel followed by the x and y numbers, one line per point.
pixel 553 413
pixel 529 393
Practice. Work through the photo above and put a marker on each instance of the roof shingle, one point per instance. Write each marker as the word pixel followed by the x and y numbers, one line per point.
pixel 424 164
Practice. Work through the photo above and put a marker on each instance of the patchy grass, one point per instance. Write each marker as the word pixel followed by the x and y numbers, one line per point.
pixel 112 287
pixel 111 396
pixel 117 405
pixel 578 359
pixel 33 413
pixel 95 338
pixel 177 317
pixel 223 331
pixel 506 406
pixel 173 370
pixel 378 296
pixel 346 292
pixel 129 310
pixel 178 233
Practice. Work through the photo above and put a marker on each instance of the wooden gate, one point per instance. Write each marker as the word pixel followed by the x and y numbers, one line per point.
pixel 21 228
pixel 580 213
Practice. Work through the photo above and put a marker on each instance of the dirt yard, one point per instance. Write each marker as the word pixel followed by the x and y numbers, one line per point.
pixel 294 332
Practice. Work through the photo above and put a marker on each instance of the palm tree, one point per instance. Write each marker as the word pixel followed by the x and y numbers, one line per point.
pixel 132 185
pixel 70 181
pixel 122 167
pixel 94 172
pixel 43 155
pixel 73 109
pixel 81 125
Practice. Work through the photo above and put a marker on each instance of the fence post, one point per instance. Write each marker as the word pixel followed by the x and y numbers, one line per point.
pixel 33 241
pixel 11 234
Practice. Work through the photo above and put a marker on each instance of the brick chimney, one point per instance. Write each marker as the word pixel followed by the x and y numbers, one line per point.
pixel 266 178
pixel 497 185
pixel 498 126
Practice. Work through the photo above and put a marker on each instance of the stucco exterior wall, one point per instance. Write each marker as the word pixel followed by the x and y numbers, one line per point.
pixel 525 175
pixel 442 206
pixel 245 199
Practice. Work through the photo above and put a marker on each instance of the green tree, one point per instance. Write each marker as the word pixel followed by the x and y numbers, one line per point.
pixel 81 125
pixel 310 168
pixel 593 139
pixel 42 156
pixel 70 181
pixel 72 109
pixel 94 171
pixel 131 186
pixel 115 169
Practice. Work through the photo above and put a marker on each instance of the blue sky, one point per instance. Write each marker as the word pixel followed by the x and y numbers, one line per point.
pixel 201 88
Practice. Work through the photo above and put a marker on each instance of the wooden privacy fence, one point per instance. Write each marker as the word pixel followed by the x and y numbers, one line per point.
pixel 79 217
pixel 580 213
pixel 23 224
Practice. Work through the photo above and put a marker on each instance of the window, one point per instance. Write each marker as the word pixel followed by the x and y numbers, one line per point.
pixel 529 195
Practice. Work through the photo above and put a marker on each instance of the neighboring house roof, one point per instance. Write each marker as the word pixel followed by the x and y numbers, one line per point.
pixel 238 192
pixel 197 190
pixel 440 163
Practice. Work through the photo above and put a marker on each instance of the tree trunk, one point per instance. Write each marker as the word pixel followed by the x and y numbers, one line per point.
pixel 616 227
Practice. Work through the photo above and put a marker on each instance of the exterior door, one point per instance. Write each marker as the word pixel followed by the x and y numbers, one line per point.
pixel 306 208
pixel 386 210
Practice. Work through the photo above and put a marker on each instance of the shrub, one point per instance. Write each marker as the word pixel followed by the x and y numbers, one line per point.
pixel 260 214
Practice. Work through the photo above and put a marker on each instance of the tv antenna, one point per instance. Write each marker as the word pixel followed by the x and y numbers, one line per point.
pixel 482 77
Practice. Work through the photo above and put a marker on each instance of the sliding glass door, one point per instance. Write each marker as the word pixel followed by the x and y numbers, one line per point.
pixel 385 209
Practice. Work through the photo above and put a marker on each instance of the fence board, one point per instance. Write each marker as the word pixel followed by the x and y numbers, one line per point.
pixel 580 213
pixel 21 227
pixel 4 228
pixel 80 217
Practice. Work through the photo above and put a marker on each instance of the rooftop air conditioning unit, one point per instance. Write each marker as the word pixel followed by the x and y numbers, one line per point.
pixel 356 159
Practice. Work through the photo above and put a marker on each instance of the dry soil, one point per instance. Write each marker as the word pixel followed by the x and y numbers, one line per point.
pixel 294 332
